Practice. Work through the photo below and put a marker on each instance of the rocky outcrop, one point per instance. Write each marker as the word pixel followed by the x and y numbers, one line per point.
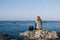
pixel 38 33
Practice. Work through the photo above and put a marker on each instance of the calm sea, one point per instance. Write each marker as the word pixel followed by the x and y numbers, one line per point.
pixel 16 27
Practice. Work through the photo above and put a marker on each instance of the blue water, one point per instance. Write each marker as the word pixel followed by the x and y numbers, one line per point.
pixel 16 27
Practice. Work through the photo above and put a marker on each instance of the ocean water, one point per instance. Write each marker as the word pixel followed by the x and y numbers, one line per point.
pixel 16 27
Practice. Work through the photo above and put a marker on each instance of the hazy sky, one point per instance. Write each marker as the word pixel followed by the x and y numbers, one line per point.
pixel 29 9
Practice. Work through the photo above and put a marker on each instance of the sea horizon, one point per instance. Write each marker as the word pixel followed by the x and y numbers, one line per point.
pixel 28 20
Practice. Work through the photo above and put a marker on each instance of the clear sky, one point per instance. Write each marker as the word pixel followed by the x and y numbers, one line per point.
pixel 29 9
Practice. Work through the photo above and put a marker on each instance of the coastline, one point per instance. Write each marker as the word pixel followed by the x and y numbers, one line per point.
pixel 10 37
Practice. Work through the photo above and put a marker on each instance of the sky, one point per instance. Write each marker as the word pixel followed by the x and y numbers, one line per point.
pixel 29 9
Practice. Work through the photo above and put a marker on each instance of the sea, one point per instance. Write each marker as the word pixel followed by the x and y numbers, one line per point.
pixel 16 27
